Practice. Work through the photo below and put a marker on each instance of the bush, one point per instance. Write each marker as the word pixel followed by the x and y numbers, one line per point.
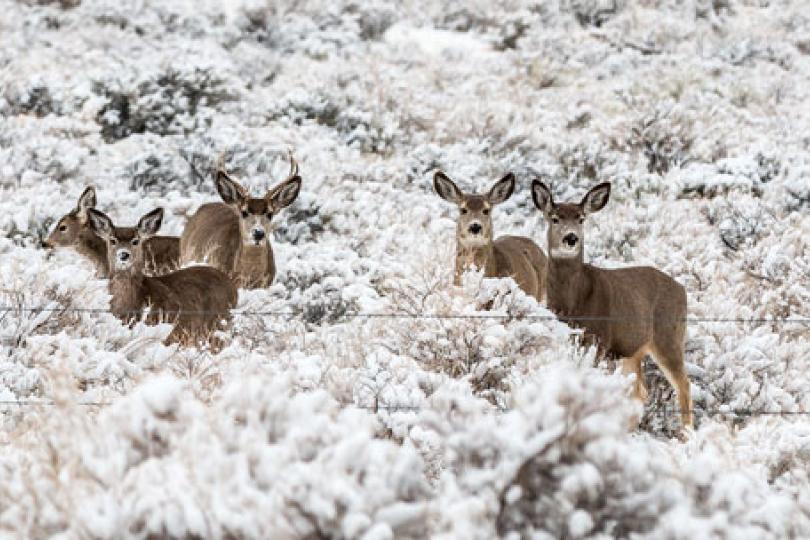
pixel 175 102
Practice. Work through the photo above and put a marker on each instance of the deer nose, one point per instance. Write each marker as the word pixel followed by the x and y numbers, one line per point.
pixel 123 256
pixel 45 244
pixel 571 239
pixel 475 228
pixel 258 234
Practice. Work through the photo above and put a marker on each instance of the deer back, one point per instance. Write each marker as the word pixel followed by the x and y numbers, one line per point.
pixel 521 259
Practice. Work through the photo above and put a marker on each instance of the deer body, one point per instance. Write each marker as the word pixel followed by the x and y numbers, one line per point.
pixel 233 235
pixel 212 235
pixel 517 257
pixel 197 300
pixel 74 231
pixel 628 312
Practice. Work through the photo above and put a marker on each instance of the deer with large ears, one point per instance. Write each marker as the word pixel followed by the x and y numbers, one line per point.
pixel 73 230
pixel 234 235
pixel 196 299
pixel 508 256
pixel 629 312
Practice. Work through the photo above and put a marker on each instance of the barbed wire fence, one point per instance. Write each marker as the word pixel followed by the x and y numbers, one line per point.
pixel 722 411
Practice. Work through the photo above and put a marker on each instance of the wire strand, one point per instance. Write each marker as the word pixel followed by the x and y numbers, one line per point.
pixel 394 315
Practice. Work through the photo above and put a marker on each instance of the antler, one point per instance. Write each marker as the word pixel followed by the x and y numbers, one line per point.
pixel 293 165
pixel 219 164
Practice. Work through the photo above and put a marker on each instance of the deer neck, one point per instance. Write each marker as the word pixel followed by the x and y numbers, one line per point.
pixel 568 284
pixel 480 257
pixel 90 245
pixel 128 291
pixel 252 265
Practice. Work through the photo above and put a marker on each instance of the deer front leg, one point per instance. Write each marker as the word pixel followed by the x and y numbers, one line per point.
pixel 634 364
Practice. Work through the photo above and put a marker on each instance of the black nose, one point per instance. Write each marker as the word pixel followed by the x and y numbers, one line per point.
pixel 475 228
pixel 570 239
pixel 124 256
pixel 258 235
pixel 45 245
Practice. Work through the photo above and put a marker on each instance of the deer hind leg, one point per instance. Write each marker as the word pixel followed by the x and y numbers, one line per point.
pixel 671 364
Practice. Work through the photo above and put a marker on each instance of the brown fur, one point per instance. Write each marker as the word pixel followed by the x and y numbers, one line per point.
pixel 212 235
pixel 197 300
pixel 73 231
pixel 517 257
pixel 234 235
pixel 628 312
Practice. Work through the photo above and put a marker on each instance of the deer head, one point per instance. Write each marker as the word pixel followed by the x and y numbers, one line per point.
pixel 255 214
pixel 566 235
pixel 474 224
pixel 125 244
pixel 70 226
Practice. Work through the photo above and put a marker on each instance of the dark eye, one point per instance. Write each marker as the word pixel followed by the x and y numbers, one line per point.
pixel 62 228
pixel 113 241
pixel 244 213
pixel 135 242
pixel 269 215
pixel 555 219
pixel 582 219
pixel 463 210
pixel 486 212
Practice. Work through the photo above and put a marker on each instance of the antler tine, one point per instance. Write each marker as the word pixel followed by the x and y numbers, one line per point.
pixel 293 165
pixel 219 165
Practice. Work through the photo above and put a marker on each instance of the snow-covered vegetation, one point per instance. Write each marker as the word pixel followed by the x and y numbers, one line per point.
pixel 314 423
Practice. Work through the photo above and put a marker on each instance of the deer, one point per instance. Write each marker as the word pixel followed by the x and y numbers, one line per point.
pixel 517 257
pixel 74 231
pixel 629 313
pixel 233 235
pixel 196 299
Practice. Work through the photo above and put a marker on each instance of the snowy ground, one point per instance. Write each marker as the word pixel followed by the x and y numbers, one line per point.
pixel 322 425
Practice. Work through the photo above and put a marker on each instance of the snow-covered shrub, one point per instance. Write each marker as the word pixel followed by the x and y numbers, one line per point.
pixel 592 12
pixel 175 101
pixel 661 133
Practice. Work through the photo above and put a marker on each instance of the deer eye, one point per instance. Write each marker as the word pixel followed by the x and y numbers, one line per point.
pixel 582 219
pixel 555 219
pixel 464 210
pixel 269 215
pixel 113 241
pixel 486 212
pixel 244 213
pixel 135 242
pixel 62 228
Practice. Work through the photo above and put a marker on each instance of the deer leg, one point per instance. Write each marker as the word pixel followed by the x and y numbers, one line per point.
pixel 674 370
pixel 634 364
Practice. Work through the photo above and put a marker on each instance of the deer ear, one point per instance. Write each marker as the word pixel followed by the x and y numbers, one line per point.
pixel 229 189
pixel 502 189
pixel 87 200
pixel 150 223
pixel 446 188
pixel 101 224
pixel 596 198
pixel 541 196
pixel 284 194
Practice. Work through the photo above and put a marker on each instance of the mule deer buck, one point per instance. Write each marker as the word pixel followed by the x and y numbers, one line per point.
pixel 233 235
pixel 197 299
pixel 73 230
pixel 508 256
pixel 630 312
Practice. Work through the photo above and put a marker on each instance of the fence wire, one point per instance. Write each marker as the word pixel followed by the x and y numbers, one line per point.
pixel 801 320
pixel 419 408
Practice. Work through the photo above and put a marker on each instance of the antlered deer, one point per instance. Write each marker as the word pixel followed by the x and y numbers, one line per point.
pixel 197 299
pixel 73 230
pixel 233 235
pixel 631 312
pixel 508 256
